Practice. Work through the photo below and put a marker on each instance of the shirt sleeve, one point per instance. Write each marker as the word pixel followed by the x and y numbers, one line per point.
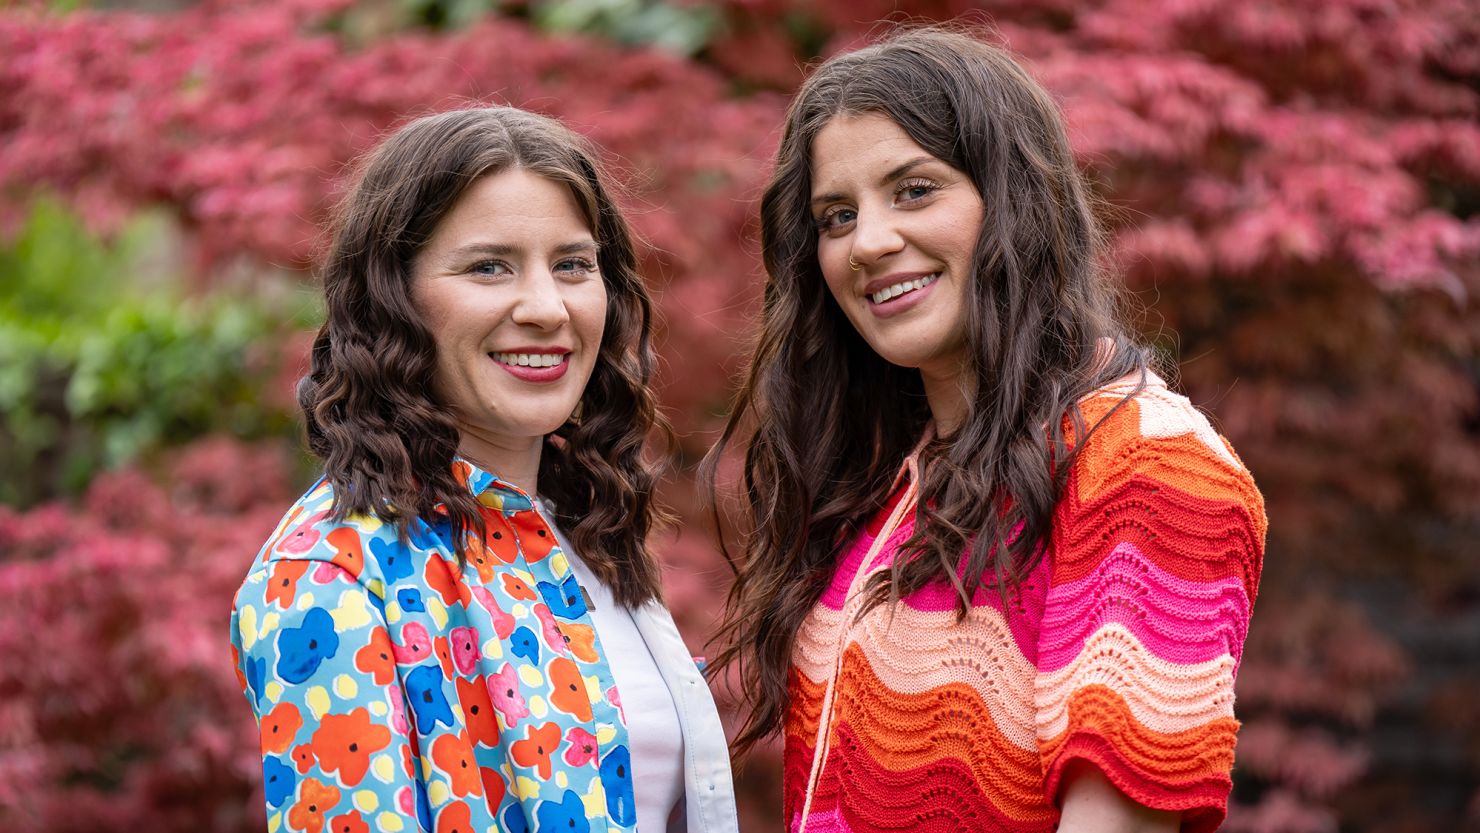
pixel 317 667
pixel 1156 552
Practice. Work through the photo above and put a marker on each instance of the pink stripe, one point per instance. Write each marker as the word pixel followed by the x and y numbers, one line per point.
pixel 1178 620
pixel 819 822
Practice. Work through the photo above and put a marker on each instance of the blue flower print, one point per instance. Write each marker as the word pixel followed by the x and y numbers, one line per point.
pixel 409 598
pixel 394 559
pixel 524 644
pixel 278 781
pixel 256 670
pixel 301 649
pixel 423 806
pixel 568 816
pixel 424 693
pixel 514 820
pixel 565 601
pixel 616 777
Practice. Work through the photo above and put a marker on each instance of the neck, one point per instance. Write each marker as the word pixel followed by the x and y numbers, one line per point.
pixel 947 392
pixel 514 460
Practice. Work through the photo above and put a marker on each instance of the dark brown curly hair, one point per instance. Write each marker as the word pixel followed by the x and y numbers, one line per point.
pixel 828 422
pixel 387 443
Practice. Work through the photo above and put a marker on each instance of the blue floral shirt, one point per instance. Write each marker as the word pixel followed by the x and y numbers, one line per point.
pixel 397 691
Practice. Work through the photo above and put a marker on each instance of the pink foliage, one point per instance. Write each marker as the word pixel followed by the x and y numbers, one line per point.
pixel 131 715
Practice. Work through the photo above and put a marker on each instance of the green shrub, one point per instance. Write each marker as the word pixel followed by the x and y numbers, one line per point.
pixel 104 357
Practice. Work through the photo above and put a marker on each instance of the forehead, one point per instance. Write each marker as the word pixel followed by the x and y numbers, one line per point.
pixel 514 200
pixel 854 149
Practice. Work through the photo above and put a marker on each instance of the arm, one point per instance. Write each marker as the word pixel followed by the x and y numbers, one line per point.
pixel 320 678
pixel 1091 804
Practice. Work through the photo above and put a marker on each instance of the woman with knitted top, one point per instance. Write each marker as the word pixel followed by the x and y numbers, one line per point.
pixel 998 575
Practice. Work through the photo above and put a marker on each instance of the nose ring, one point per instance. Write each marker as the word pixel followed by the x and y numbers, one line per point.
pixel 853 264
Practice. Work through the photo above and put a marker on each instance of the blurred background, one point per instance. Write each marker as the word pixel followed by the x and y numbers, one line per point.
pixel 1292 189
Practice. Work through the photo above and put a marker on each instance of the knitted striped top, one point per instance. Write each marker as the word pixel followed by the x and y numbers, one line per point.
pixel 1119 650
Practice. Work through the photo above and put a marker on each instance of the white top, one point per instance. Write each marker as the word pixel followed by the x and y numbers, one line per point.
pixel 654 732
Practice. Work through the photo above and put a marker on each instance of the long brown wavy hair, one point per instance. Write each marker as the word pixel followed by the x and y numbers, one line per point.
pixel 387 443
pixel 828 422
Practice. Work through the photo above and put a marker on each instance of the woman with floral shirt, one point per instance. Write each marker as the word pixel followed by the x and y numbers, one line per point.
pixel 459 626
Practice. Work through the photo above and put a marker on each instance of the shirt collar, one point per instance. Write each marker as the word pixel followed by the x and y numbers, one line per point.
pixel 490 489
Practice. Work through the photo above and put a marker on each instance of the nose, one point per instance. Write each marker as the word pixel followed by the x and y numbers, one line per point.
pixel 875 236
pixel 541 303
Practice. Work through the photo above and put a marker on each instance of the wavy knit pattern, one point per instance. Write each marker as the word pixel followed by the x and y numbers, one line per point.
pixel 1119 650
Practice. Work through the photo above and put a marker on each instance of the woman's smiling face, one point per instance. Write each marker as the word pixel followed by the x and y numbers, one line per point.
pixel 897 230
pixel 509 287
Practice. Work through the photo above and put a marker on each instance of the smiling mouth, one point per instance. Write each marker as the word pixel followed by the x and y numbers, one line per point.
pixel 889 293
pixel 530 359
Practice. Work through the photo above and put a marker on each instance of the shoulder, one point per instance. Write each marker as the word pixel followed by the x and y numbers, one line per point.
pixel 363 546
pixel 1157 441
pixel 1153 474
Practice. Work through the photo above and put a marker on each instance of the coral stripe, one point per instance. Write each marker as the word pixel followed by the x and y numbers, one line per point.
pixel 1175 760
pixel 1193 538
pixel 1178 620
pixel 909 731
pixel 941 795
pixel 979 654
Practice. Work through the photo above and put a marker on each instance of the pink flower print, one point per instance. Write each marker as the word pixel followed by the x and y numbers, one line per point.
pixel 616 700
pixel 416 644
pixel 582 749
pixel 503 622
pixel 465 648
pixel 303 536
pixel 551 631
pixel 503 690
pixel 326 572
pixel 398 711
pixel 406 801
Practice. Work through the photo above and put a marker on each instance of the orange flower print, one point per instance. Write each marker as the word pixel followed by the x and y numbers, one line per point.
pixel 568 690
pixel 516 588
pixel 344 743
pixel 480 558
pixel 478 711
pixel 493 785
pixel 315 799
pixel 455 818
pixel 581 639
pixel 501 542
pixel 350 822
pixel 279 727
pixel 534 537
pixel 282 583
pixel 349 554
pixel 303 757
pixel 442 577
pixel 537 747
pixel 454 756
pixel 377 658
pixel 443 650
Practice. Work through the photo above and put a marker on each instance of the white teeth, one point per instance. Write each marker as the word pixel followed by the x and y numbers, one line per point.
pixel 530 359
pixel 902 287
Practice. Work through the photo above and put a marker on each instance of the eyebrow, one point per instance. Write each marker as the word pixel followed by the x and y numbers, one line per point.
pixel 505 250
pixel 893 174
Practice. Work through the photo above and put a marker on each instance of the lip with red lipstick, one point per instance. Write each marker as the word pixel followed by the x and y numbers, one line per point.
pixel 533 364
pixel 899 292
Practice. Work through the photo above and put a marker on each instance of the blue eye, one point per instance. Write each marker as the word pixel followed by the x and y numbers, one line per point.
pixel 488 267
pixel 913 190
pixel 575 266
pixel 835 218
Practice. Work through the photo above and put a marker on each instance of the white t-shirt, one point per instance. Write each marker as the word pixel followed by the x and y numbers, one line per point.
pixel 654 734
